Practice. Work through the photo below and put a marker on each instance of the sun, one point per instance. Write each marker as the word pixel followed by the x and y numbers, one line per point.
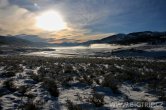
pixel 50 21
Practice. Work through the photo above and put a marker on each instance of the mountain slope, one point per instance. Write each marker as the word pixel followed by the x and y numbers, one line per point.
pixel 132 38
pixel 13 41
pixel 120 39
pixel 31 38
pixel 18 42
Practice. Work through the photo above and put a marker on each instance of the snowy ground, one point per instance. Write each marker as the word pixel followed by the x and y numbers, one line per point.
pixel 79 83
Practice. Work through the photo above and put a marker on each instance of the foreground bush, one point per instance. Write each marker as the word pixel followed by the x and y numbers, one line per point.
pixel 110 81
pixel 9 85
pixel 51 86
pixel 29 106
pixel 72 106
pixel 97 100
pixel 7 74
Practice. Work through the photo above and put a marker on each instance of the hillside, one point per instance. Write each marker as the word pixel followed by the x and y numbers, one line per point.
pixel 31 38
pixel 20 42
pixel 13 41
pixel 132 38
pixel 120 39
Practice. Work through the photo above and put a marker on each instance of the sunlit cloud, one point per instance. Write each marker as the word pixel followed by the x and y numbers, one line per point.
pixel 15 20
pixel 50 21
pixel 23 22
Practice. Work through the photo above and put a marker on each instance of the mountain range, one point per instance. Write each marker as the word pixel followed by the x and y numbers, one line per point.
pixel 131 38
pixel 120 39
pixel 31 38
pixel 23 41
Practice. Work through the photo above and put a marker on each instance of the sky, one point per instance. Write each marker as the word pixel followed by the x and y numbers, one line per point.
pixel 85 19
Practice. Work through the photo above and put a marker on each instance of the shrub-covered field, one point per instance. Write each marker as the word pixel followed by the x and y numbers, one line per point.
pixel 28 82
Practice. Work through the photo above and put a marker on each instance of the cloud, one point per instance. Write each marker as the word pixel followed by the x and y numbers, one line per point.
pixel 86 19
pixel 33 5
pixel 63 40
pixel 3 3
pixel 85 13
pixel 15 20
pixel 77 13
pixel 74 35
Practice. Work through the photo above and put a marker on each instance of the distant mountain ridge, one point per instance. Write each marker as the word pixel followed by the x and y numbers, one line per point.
pixel 13 41
pixel 31 38
pixel 131 38
pixel 120 39
pixel 19 42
